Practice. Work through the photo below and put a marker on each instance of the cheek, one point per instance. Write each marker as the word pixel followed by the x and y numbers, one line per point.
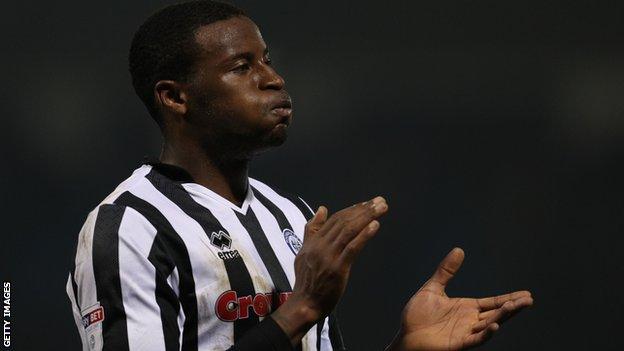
pixel 234 105
pixel 237 114
pixel 248 100
pixel 245 108
pixel 236 99
pixel 241 91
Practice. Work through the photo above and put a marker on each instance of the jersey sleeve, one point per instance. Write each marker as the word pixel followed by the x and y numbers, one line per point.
pixel 123 288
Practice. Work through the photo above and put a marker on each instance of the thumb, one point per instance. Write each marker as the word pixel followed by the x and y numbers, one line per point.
pixel 316 222
pixel 448 268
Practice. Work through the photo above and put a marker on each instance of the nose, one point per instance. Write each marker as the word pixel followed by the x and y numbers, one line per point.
pixel 270 79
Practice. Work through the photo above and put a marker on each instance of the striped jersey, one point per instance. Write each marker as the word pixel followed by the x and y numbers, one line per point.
pixel 164 263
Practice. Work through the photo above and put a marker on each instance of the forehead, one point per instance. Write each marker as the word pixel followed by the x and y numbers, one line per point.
pixel 229 37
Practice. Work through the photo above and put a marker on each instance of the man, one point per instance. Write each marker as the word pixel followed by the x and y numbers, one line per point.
pixel 191 253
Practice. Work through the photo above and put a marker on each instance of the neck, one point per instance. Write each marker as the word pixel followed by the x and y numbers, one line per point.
pixel 228 178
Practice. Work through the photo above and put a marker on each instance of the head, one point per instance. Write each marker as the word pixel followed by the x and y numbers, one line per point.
pixel 204 73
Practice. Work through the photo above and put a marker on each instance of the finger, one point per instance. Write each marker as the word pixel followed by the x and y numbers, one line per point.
pixel 488 303
pixel 518 303
pixel 316 222
pixel 506 311
pixel 350 252
pixel 493 316
pixel 351 221
pixel 481 337
pixel 359 220
pixel 479 326
pixel 340 216
pixel 448 267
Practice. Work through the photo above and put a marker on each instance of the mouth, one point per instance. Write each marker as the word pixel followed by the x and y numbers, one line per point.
pixel 283 110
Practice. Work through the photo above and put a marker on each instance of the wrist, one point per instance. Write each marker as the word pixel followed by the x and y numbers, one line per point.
pixel 296 317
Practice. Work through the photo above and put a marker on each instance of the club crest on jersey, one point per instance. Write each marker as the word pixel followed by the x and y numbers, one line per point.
pixel 293 242
pixel 222 240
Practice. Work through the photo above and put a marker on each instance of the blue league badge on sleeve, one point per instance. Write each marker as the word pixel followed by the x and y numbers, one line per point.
pixel 293 242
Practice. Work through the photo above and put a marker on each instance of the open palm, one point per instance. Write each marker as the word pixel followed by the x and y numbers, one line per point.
pixel 433 321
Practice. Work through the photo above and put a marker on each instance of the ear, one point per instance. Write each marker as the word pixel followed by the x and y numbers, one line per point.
pixel 170 95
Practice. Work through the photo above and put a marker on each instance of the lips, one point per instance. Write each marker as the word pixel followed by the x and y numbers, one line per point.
pixel 283 110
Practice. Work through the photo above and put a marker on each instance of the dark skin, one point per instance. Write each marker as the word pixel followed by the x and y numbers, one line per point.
pixel 234 106
pixel 215 123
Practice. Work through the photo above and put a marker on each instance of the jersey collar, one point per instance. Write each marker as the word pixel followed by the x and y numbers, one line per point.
pixel 180 175
pixel 175 173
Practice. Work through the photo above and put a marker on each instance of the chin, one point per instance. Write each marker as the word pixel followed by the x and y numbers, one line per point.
pixel 278 135
pixel 275 139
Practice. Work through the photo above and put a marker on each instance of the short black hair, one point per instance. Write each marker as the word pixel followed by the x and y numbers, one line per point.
pixel 164 46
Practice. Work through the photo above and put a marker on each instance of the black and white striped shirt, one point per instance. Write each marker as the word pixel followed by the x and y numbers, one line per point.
pixel 164 263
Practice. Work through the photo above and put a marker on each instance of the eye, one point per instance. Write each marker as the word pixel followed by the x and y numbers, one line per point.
pixel 268 61
pixel 241 67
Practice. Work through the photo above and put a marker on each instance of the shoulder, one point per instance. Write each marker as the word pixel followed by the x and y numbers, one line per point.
pixel 137 176
pixel 108 214
pixel 111 219
pixel 109 208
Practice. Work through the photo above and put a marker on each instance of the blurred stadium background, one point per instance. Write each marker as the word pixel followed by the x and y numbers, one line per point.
pixel 494 126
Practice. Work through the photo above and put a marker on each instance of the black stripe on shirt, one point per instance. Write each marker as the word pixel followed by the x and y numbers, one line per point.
pixel 240 281
pixel 168 239
pixel 301 205
pixel 166 298
pixel 276 211
pixel 319 333
pixel 238 274
pixel 270 260
pixel 106 273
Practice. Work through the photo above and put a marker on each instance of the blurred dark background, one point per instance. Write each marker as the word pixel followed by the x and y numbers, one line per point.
pixel 494 126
